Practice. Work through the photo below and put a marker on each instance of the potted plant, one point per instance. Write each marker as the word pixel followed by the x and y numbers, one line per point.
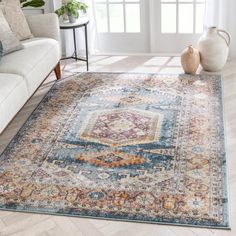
pixel 71 9
pixel 32 3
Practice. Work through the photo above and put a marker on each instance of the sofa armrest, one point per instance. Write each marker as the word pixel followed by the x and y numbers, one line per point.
pixel 45 25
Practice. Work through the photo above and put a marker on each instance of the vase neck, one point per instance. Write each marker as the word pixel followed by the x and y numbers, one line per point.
pixel 212 30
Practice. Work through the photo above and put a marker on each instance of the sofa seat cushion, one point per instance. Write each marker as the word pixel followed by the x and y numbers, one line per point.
pixel 34 62
pixel 13 95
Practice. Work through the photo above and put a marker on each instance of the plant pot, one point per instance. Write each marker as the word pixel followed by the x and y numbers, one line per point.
pixel 65 17
pixel 72 19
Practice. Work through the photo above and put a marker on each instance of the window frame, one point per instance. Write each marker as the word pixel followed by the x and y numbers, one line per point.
pixel 107 3
pixel 177 4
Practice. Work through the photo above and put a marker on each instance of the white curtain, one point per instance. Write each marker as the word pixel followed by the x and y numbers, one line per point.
pixel 67 36
pixel 222 13
pixel 92 30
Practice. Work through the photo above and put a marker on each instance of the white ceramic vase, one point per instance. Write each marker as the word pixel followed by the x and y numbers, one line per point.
pixel 214 49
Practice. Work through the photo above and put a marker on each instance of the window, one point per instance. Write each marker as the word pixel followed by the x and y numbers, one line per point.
pixel 156 26
pixel 182 16
pixel 118 16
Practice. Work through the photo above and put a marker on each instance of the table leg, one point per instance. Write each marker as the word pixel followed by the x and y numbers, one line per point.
pixel 75 46
pixel 86 45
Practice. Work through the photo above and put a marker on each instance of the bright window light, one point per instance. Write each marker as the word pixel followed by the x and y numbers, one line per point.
pixel 118 16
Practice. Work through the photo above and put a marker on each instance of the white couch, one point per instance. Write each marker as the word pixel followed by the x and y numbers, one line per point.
pixel 23 71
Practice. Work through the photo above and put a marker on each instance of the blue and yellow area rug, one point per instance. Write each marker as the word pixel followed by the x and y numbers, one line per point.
pixel 132 147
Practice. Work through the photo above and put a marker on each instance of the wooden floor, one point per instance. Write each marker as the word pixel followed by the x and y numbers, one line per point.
pixel 25 224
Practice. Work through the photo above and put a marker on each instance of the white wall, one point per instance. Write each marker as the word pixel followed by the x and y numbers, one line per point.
pixel 228 15
pixel 232 26
pixel 55 4
pixel 65 37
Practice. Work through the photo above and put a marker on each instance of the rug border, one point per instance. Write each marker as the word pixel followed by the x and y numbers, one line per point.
pixel 226 180
pixel 226 172
pixel 116 219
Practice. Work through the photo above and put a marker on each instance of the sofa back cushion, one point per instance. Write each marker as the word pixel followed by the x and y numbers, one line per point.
pixel 9 41
pixel 16 19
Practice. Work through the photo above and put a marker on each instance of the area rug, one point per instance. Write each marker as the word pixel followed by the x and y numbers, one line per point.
pixel 132 147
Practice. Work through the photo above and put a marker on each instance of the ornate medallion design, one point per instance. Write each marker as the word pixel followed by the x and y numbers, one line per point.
pixel 121 127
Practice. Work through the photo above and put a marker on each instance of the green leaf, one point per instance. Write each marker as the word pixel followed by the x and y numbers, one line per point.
pixel 72 8
pixel 32 3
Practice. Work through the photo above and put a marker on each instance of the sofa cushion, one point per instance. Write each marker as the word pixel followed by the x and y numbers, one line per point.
pixel 16 19
pixel 8 84
pixel 34 62
pixel 13 95
pixel 9 41
pixel 11 2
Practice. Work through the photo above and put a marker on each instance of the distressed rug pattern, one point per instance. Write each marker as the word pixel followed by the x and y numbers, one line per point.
pixel 132 147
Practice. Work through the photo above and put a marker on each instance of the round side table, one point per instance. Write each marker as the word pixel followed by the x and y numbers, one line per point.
pixel 79 24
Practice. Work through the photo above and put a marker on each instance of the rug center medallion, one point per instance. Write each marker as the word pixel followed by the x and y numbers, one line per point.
pixel 121 127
